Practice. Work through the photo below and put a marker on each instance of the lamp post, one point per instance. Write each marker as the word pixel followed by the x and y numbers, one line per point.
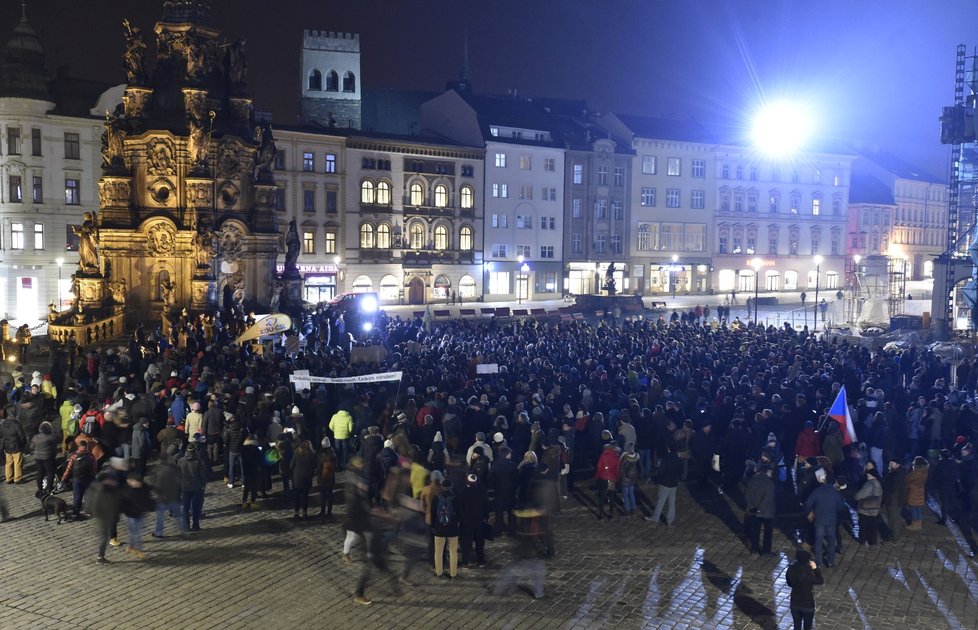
pixel 855 287
pixel 672 275
pixel 524 269
pixel 486 267
pixel 756 263
pixel 818 273
pixel 61 262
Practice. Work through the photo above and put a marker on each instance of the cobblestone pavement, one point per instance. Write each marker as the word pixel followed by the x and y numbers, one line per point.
pixel 259 569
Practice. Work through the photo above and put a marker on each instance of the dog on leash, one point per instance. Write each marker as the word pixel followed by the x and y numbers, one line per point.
pixel 54 505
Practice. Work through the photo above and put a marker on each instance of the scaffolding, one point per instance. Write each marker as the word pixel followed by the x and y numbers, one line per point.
pixel 875 292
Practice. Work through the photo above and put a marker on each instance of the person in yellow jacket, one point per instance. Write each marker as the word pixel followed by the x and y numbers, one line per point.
pixel 70 413
pixel 341 425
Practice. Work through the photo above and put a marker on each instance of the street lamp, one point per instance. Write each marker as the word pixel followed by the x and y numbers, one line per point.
pixel 487 267
pixel 61 262
pixel 818 273
pixel 756 263
pixel 524 269
pixel 672 275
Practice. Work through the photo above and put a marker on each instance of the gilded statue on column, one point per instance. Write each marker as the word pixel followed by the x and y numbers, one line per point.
pixel 134 56
pixel 87 234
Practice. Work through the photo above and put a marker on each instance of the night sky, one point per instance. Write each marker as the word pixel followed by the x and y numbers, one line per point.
pixel 877 71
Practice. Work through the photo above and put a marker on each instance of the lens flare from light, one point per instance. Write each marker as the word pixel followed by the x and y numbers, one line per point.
pixel 781 128
pixel 368 304
pixel 367 326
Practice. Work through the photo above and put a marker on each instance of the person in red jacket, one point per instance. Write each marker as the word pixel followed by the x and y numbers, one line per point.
pixel 606 476
pixel 807 445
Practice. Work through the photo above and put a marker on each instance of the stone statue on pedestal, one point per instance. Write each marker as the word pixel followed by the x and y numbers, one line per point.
pixel 237 64
pixel 113 138
pixel 291 251
pixel 132 59
pixel 609 279
pixel 87 234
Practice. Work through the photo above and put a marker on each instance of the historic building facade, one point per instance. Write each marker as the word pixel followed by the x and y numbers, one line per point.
pixel 48 170
pixel 672 196
pixel 413 231
pixel 788 215
pixel 310 174
pixel 523 188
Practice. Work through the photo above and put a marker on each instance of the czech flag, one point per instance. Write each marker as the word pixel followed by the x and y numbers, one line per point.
pixel 840 413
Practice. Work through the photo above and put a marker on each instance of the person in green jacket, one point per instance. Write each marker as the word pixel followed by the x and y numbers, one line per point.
pixel 341 426
pixel 70 413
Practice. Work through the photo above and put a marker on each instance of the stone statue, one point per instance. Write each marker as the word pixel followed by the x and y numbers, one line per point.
pixel 87 234
pixel 195 54
pixel 237 64
pixel 266 149
pixel 52 312
pixel 197 143
pixel 119 289
pixel 291 249
pixel 204 249
pixel 134 55
pixel 609 279
pixel 113 138
pixel 273 304
pixel 166 293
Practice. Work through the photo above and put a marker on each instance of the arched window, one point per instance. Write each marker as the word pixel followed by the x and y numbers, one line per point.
pixel 441 195
pixel 332 81
pixel 417 194
pixel 466 287
pixel 441 237
pixel 367 191
pixel 466 197
pixel 383 236
pixel 349 82
pixel 465 238
pixel 362 284
pixel 315 81
pixel 416 235
pixel 388 288
pixel 366 236
pixel 383 193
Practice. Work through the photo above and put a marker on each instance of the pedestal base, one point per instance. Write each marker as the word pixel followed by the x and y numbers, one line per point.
pixel 91 291
pixel 203 294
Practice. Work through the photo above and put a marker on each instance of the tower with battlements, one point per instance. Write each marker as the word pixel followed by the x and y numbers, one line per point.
pixel 330 79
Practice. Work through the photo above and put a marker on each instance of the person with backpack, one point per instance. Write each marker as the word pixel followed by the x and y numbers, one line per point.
pixel 90 423
pixel 81 469
pixel 166 490
pixel 445 526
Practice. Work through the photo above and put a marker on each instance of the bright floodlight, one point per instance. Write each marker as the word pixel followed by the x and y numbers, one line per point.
pixel 368 304
pixel 367 326
pixel 781 128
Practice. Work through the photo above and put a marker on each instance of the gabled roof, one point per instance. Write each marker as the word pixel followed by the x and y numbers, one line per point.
pixel 864 188
pixel 512 111
pixel 685 129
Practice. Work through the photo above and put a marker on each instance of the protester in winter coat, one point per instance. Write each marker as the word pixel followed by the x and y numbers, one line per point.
pixel 445 527
pixel 303 472
pixel 628 475
pixel 14 443
pixel 916 491
pixel 801 577
pixel 166 491
pixel 326 477
pixel 759 497
pixel 869 498
pixel 193 480
pixel 45 448
pixel 823 506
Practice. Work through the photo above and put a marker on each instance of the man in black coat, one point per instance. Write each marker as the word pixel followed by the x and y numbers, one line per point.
pixel 503 479
pixel 14 443
pixel 759 497
pixel 894 498
pixel 473 516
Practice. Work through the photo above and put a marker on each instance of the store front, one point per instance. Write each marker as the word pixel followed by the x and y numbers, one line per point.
pixel 318 282
pixel 678 277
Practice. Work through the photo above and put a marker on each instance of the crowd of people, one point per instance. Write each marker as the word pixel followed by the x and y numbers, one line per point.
pixel 493 426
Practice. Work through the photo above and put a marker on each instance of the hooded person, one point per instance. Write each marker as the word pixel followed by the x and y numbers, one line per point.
pixel 628 475
pixel 802 576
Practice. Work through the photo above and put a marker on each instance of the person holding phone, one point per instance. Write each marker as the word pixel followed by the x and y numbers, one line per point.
pixel 802 576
